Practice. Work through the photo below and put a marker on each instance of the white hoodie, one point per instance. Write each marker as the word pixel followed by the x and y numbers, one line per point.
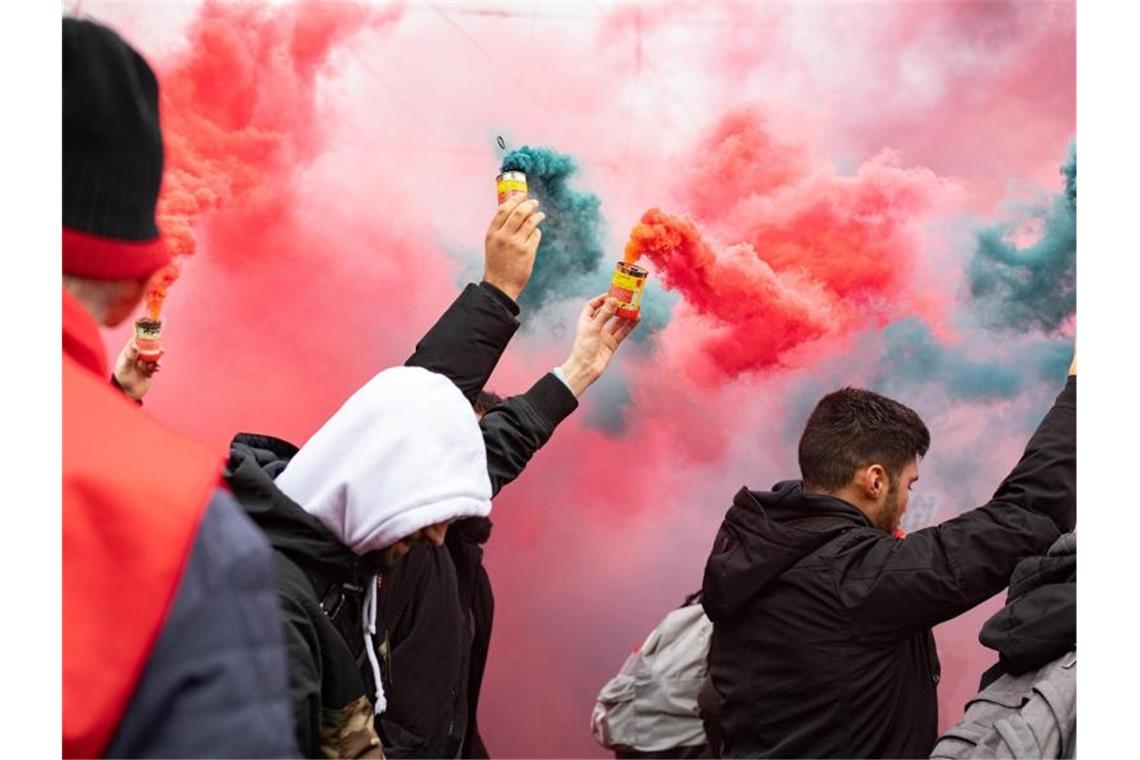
pixel 404 452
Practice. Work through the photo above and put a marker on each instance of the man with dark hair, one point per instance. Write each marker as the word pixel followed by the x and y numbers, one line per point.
pixel 822 616
pixel 851 429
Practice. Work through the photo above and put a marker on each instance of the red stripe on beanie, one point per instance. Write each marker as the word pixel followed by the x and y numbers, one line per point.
pixel 101 258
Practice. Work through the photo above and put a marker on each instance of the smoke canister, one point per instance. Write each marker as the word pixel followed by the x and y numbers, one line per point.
pixel 627 286
pixel 510 184
pixel 148 339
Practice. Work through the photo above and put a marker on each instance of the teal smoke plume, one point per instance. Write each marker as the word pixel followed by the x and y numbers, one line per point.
pixel 1035 287
pixel 913 356
pixel 571 249
pixel 572 261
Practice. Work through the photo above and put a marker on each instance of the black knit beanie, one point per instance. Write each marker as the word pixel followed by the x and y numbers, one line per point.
pixel 112 157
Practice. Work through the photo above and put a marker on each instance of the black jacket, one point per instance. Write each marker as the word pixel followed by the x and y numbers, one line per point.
pixel 821 642
pixel 321 583
pixel 465 545
pixel 1038 623
pixel 438 606
pixel 320 586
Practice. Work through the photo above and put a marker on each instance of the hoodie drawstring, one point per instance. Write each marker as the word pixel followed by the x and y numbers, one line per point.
pixel 368 621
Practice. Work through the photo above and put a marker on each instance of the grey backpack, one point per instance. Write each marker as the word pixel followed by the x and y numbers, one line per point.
pixel 1033 715
pixel 651 704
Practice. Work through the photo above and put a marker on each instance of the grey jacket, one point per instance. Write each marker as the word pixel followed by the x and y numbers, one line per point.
pixel 216 681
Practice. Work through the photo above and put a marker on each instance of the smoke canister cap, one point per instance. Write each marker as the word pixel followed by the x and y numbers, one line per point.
pixel 510 184
pixel 628 286
pixel 148 339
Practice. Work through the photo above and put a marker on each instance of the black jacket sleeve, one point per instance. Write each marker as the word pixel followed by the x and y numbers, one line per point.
pixel 467 341
pixel 938 573
pixel 515 429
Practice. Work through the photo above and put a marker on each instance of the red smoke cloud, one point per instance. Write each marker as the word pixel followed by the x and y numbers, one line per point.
pixel 821 253
pixel 766 313
pixel 291 254
pixel 160 288
pixel 239 114
pixel 238 107
pixel 856 234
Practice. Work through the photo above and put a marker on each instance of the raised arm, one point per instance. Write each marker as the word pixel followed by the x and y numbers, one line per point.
pixel 514 430
pixel 465 344
pixel 940 572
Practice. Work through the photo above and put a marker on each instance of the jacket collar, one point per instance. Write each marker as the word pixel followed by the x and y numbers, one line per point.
pixel 765 533
pixel 254 463
pixel 81 339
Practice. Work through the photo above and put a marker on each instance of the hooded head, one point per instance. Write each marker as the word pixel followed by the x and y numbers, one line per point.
pixel 399 460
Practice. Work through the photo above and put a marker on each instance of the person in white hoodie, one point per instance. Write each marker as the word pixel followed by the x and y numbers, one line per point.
pixel 402 458
pixel 418 458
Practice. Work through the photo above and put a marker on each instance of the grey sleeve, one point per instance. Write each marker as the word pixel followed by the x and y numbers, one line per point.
pixel 216 683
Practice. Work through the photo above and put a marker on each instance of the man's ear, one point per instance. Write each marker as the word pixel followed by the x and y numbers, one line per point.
pixel 872 481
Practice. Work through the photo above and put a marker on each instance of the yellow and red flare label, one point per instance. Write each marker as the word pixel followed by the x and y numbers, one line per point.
pixel 510 186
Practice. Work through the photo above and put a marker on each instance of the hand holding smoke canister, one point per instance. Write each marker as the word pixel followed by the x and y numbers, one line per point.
pixel 148 329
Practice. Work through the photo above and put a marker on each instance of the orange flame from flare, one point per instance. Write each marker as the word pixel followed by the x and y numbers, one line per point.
pixel 159 288
pixel 632 249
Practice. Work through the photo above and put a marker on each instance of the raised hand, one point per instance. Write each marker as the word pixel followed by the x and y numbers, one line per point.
pixel 598 336
pixel 511 244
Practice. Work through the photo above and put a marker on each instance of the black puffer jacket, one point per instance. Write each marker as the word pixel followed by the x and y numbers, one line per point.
pixel 320 586
pixel 821 644
pixel 1039 621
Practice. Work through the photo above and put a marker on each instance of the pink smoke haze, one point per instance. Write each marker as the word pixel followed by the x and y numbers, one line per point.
pixel 820 168
pixel 821 253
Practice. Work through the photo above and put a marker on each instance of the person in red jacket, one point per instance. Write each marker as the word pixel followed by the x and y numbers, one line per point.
pixel 172 638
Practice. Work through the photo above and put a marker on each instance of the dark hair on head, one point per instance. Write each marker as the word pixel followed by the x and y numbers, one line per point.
pixel 485 401
pixel 854 428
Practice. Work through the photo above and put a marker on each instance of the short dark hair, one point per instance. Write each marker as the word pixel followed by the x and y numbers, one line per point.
pixel 852 428
pixel 485 401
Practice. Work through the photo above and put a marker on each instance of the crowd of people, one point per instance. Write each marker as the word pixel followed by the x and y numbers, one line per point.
pixel 329 599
